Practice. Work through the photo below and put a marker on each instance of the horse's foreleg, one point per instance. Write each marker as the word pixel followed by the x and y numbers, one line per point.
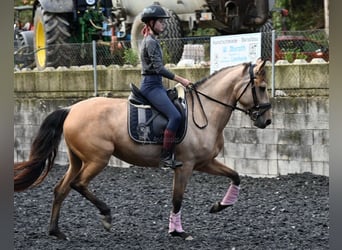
pixel 228 200
pixel 232 194
pixel 180 181
pixel 80 184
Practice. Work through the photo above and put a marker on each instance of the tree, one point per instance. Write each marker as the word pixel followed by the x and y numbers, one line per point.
pixel 302 14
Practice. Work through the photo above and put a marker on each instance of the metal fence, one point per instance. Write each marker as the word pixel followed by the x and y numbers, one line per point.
pixel 107 53
pixel 289 46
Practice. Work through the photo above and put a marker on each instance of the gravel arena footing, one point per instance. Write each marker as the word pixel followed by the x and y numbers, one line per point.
pixel 285 212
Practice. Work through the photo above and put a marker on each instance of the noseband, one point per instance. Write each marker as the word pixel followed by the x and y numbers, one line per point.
pixel 254 113
pixel 258 109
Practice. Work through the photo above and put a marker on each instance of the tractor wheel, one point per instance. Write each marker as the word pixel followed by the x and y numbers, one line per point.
pixel 173 44
pixel 51 32
pixel 170 39
pixel 23 55
pixel 266 40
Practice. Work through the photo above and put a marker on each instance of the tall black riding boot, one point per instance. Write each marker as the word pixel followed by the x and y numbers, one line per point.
pixel 167 155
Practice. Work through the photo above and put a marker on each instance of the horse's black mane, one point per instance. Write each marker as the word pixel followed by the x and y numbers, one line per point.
pixel 204 79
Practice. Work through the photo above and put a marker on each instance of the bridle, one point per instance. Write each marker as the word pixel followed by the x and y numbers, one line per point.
pixel 254 112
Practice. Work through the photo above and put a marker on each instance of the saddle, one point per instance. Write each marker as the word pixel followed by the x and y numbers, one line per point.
pixel 146 124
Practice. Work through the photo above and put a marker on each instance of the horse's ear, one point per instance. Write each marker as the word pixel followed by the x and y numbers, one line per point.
pixel 259 65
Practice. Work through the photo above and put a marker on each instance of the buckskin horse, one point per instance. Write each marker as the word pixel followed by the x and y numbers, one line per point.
pixel 96 128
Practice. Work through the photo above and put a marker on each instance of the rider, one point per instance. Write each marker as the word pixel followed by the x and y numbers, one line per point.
pixel 152 71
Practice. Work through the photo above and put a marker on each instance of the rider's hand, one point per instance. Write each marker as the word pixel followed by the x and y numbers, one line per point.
pixel 185 82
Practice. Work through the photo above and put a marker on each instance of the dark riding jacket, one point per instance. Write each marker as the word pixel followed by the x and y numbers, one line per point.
pixel 151 85
pixel 152 58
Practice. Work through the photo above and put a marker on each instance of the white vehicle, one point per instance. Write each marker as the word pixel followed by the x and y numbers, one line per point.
pixel 60 22
pixel 227 17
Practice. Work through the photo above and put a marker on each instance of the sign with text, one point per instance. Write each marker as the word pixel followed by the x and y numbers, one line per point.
pixel 234 49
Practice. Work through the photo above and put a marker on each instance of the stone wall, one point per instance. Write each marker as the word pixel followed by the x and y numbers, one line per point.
pixel 297 140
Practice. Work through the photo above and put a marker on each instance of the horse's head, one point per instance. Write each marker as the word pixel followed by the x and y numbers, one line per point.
pixel 254 96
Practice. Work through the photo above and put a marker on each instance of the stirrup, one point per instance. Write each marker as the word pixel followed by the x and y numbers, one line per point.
pixel 171 162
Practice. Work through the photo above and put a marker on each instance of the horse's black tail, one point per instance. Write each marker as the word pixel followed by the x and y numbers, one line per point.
pixel 43 152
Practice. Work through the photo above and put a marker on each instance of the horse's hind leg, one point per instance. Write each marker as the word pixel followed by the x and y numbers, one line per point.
pixel 231 196
pixel 80 184
pixel 61 190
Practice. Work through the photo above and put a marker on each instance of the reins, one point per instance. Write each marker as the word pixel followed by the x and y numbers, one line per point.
pixel 197 93
pixel 253 112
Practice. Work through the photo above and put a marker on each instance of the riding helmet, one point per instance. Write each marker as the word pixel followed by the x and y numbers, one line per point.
pixel 153 12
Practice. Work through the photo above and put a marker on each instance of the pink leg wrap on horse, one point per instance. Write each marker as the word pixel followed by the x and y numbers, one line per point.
pixel 175 223
pixel 231 196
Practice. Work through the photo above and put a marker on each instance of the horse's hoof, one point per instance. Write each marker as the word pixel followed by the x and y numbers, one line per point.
pixel 183 235
pixel 106 221
pixel 59 235
pixel 217 207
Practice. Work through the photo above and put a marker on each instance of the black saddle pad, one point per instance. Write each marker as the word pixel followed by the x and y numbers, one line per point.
pixel 146 124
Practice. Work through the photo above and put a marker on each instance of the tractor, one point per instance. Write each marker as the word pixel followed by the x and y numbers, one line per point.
pixel 23 37
pixel 63 29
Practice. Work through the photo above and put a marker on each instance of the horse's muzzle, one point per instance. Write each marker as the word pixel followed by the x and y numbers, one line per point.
pixel 262 123
pixel 257 115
